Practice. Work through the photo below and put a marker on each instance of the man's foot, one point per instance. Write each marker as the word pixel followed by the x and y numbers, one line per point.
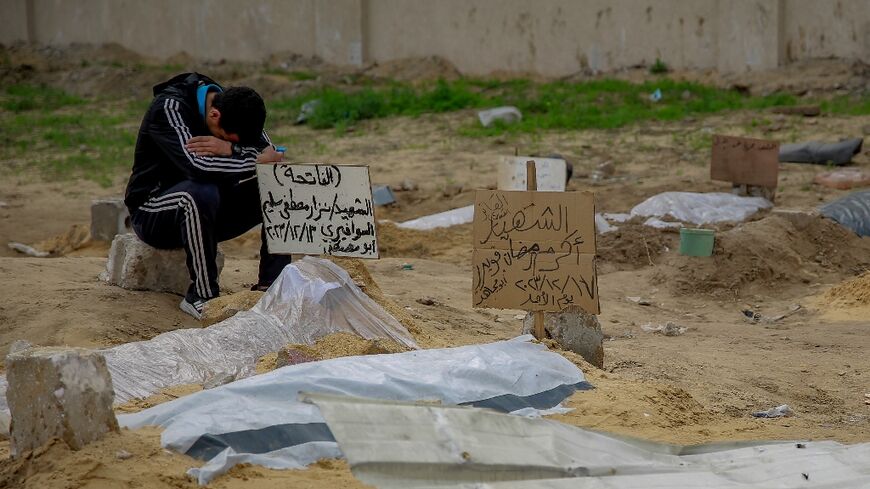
pixel 193 307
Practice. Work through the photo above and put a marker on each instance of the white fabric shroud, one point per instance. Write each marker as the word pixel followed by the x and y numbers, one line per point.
pixel 453 217
pixel 310 299
pixel 260 419
pixel 697 208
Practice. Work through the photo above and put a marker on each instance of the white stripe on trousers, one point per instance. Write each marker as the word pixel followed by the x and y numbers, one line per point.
pixel 194 232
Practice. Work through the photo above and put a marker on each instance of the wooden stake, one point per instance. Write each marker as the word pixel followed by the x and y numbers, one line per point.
pixel 532 185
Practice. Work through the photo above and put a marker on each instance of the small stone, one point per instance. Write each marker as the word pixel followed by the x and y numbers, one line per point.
pixel 574 330
pixel 292 356
pixel 218 380
pixel 61 393
pixel 427 301
pixel 841 373
pixel 109 217
pixel 408 185
pixel 123 455
pixel 134 265
pixel 606 169
pixel 19 345
pixel 452 190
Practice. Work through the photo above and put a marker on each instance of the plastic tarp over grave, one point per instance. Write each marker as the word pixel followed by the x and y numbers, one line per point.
pixel 400 445
pixel 851 211
pixel 260 419
pixel 697 208
pixel 310 299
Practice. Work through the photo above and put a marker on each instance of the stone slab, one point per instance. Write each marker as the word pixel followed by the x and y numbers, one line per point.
pixel 574 330
pixel 63 393
pixel 109 217
pixel 134 265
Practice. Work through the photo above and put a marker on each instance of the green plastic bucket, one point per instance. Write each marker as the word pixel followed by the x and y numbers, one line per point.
pixel 696 242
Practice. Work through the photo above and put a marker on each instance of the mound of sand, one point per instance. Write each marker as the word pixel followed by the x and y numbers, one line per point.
pixel 634 246
pixel 333 346
pixel 451 244
pixel 851 292
pixel 134 458
pixel 226 306
pixel 780 250
pixel 363 279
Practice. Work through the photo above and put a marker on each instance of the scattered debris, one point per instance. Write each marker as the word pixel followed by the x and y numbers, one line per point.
pixel 656 96
pixel 123 455
pixel 667 329
pixel 407 266
pixel 383 195
pixel 638 300
pixel 27 250
pixel 408 185
pixel 755 317
pixel 804 110
pixel 505 115
pixel 452 190
pixel 776 412
pixel 843 179
pixel 307 110
pixel 428 301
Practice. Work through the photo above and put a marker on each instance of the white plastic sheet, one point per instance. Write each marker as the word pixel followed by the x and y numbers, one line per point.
pixel 697 208
pixel 400 445
pixel 310 299
pixel 454 217
pixel 260 419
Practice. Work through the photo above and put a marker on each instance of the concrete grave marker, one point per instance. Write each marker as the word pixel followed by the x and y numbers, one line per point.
pixel 551 173
pixel 61 393
pixel 318 209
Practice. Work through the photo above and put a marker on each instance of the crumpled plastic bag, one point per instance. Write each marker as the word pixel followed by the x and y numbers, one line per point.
pixel 697 208
pixel 310 299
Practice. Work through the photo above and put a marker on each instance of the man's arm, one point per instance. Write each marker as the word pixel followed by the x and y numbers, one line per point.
pixel 170 130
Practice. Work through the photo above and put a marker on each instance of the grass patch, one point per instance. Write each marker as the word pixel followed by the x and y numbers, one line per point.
pixel 21 98
pixel 847 105
pixel 89 140
pixel 598 104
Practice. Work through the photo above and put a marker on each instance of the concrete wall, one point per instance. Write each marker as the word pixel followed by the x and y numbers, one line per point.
pixel 549 37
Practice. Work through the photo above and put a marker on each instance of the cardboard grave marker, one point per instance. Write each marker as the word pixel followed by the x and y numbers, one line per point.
pixel 745 161
pixel 551 173
pixel 534 251
pixel 318 209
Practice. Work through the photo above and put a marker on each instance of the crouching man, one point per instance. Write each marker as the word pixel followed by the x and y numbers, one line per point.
pixel 193 182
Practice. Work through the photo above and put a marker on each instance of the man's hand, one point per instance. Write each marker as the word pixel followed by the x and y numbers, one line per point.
pixel 269 155
pixel 209 146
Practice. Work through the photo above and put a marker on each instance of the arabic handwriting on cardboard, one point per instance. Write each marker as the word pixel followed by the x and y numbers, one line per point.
pixel 318 209
pixel 534 252
pixel 745 161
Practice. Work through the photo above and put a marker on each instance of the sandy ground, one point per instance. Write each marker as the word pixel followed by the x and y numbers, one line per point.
pixel 694 388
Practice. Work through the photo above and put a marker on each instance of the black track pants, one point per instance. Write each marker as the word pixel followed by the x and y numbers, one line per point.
pixel 196 216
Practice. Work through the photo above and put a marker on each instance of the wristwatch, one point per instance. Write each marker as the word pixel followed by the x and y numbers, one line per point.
pixel 236 148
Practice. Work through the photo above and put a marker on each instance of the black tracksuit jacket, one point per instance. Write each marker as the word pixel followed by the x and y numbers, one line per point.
pixel 161 159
